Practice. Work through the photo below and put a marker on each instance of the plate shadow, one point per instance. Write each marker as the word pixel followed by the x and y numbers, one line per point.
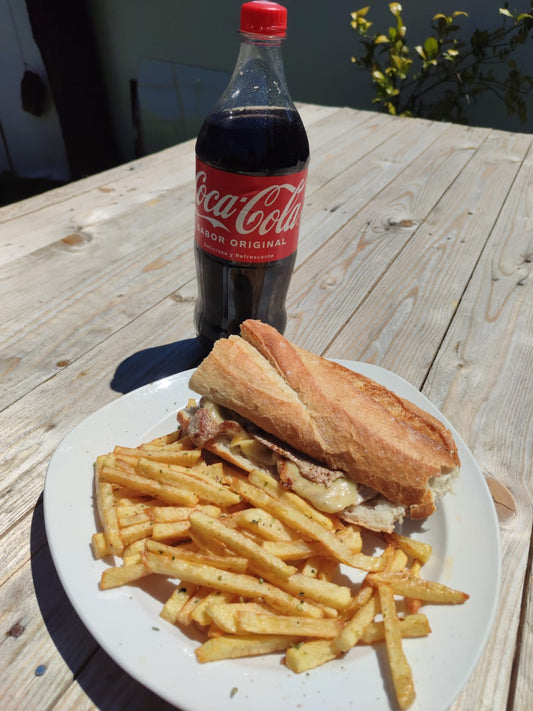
pixel 105 683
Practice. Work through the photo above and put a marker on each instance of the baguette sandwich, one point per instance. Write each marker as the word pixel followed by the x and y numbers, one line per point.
pixel 347 444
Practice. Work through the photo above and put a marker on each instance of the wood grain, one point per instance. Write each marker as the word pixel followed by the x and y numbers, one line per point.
pixel 483 380
pixel 415 253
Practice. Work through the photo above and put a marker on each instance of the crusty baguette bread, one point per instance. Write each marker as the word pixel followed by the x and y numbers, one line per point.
pixel 340 418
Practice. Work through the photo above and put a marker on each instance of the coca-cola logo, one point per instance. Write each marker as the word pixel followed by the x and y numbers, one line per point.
pixel 275 208
pixel 264 210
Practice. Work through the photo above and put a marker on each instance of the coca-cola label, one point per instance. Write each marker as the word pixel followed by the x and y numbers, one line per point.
pixel 245 218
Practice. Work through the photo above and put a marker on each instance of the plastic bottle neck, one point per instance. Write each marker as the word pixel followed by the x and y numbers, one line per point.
pixel 259 76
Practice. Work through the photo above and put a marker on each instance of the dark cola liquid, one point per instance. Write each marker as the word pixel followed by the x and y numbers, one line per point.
pixel 253 142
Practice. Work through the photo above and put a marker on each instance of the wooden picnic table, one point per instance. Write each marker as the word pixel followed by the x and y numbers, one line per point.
pixel 415 254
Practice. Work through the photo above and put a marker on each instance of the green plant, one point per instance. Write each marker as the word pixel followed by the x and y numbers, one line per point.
pixel 440 77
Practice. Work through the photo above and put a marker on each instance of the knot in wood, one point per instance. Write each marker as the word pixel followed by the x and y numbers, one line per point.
pixel 77 239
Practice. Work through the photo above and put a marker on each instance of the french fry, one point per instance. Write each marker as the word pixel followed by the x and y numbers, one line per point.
pixel 201 615
pixel 415 625
pixel 169 514
pixel 308 526
pixel 184 616
pixel 352 538
pixel 208 491
pixel 146 485
pixel 327 568
pixel 311 567
pixel 127 519
pixel 129 514
pixel 402 583
pixel 264 525
pixel 208 545
pixel 308 655
pixel 413 548
pixel 398 561
pixel 133 552
pixel 236 583
pixel 224 615
pixel 99 546
pixel 240 544
pixel 252 623
pixel 183 457
pixel 230 538
pixel 176 601
pixel 355 627
pixel 172 531
pixel 115 577
pixel 136 532
pixel 401 672
pixel 411 604
pixel 166 439
pixel 294 550
pixel 218 648
pixel 234 564
pixel 213 472
pixel 126 508
pixel 108 516
pixel 318 591
pixel 127 496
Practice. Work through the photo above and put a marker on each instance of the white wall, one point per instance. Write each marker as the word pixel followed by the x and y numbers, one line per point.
pixel 35 146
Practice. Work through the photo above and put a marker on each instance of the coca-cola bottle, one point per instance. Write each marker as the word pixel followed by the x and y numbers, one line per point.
pixel 252 155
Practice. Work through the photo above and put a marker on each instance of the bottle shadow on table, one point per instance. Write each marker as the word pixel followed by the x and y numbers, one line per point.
pixel 155 363
pixel 104 682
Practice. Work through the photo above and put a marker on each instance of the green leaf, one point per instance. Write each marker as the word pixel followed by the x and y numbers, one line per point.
pixel 504 11
pixel 431 47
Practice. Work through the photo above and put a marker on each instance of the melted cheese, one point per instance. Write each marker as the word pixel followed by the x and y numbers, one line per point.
pixel 257 452
pixel 330 499
pixel 213 410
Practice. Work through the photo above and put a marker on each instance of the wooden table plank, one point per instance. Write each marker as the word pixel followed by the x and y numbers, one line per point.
pixel 523 672
pixel 339 141
pixel 370 242
pixel 64 211
pixel 59 647
pixel 483 380
pixel 98 286
pixel 344 192
pixel 29 225
pixel 399 326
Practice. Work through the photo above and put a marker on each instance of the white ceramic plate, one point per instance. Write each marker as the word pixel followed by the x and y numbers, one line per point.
pixel 125 621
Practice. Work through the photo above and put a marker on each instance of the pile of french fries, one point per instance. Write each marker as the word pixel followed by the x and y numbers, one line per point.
pixel 256 566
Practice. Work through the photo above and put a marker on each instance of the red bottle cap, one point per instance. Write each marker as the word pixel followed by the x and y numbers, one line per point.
pixel 261 17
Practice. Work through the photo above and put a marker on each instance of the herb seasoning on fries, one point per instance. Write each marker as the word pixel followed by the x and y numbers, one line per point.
pixel 255 565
